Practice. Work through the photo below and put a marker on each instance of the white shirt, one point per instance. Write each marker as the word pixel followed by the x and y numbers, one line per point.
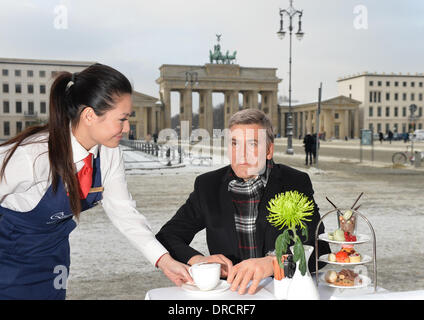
pixel 27 179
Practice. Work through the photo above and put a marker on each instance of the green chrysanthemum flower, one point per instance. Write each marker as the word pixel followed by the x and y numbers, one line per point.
pixel 289 209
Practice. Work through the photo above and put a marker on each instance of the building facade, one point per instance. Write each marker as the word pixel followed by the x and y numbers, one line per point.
pixel 386 100
pixel 339 118
pixel 25 90
pixel 146 118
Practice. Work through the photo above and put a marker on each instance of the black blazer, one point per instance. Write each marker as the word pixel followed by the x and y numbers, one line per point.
pixel 210 206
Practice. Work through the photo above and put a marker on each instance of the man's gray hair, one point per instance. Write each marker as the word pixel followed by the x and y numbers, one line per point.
pixel 253 116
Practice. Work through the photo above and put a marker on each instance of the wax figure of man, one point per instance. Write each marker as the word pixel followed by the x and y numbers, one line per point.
pixel 231 204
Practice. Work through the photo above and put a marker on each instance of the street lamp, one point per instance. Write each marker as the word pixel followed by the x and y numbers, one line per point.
pixel 290 12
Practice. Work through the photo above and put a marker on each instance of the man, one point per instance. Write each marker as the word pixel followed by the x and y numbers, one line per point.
pixel 309 144
pixel 231 204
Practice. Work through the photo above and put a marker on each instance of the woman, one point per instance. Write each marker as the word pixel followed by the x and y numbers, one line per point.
pixel 50 174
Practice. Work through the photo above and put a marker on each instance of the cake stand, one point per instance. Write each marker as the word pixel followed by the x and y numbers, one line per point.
pixel 361 238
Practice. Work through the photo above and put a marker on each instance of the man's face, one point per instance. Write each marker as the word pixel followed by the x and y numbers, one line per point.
pixel 248 150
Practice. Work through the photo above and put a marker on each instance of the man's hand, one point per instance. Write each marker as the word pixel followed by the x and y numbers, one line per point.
pixel 176 271
pixel 254 269
pixel 226 264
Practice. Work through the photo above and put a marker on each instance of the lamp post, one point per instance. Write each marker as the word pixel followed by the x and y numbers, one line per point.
pixel 291 13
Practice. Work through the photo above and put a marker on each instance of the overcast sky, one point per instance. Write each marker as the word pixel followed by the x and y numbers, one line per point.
pixel 342 37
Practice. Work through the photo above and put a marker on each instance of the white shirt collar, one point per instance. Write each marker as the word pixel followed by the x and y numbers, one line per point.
pixel 79 152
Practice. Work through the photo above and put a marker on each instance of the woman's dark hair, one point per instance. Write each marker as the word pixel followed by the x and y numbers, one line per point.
pixel 97 86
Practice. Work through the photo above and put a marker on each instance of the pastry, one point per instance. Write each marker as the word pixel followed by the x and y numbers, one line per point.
pixel 344 278
pixel 355 257
pixel 342 257
pixel 331 276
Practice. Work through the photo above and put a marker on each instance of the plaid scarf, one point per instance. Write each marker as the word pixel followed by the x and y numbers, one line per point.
pixel 246 196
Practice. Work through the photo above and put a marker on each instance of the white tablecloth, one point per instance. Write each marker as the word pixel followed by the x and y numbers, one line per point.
pixel 266 292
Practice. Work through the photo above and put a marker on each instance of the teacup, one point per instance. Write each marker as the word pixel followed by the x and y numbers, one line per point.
pixel 205 275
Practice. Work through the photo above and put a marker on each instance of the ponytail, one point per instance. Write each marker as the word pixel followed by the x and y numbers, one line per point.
pixel 63 111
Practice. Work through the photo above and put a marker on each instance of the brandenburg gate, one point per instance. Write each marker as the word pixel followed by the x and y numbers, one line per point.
pixel 227 78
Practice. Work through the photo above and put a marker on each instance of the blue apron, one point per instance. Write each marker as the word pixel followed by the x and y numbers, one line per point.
pixel 34 245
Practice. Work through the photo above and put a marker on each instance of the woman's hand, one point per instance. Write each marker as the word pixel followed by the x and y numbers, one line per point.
pixel 176 271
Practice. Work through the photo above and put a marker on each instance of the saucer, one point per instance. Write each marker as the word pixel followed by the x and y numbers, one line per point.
pixel 222 286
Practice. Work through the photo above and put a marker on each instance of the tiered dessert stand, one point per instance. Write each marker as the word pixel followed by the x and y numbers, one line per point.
pixel 361 238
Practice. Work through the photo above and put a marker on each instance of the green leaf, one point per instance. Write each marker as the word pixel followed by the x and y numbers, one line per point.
pixel 302 265
pixel 281 244
pixel 305 233
pixel 278 251
pixel 298 251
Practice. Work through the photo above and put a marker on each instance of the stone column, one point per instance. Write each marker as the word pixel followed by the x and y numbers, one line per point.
pixel 273 109
pixel 206 111
pixel 186 107
pixel 309 122
pixel 230 105
pixel 166 115
pixel 343 124
pixel 254 99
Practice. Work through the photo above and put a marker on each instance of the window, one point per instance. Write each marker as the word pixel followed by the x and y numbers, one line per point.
pixel 420 97
pixel 42 88
pixel 412 84
pixel 379 83
pixel 5 88
pixel 350 87
pixel 396 83
pixel 17 73
pixel 30 73
pixel 379 97
pixel 370 111
pixel 387 127
pixel 6 108
pixel 387 83
pixel 395 127
pixel 43 107
pixel 420 84
pixel 18 107
pixel 403 127
pixel 387 111
pixel 371 83
pixel 42 73
pixel 378 127
pixel 404 83
pixel 30 107
pixel 30 88
pixel 404 112
pixel 396 96
pixel 6 128
pixel 404 96
pixel 18 88
pixel 18 126
pixel 378 111
pixel 420 111
pixel 5 72
pixel 387 96
pixel 412 96
pixel 396 111
pixel 336 115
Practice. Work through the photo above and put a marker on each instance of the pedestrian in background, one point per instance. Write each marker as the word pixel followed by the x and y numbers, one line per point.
pixel 308 142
